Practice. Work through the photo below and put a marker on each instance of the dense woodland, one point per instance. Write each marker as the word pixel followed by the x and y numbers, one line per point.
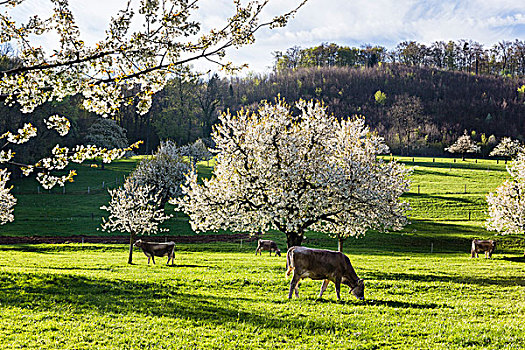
pixel 418 103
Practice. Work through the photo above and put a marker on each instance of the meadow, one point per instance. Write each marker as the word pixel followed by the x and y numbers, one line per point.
pixel 219 295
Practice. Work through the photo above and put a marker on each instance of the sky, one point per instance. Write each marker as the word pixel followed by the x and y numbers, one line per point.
pixel 344 22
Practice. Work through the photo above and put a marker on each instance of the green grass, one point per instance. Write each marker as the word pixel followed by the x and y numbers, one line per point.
pixel 219 295
pixel 73 297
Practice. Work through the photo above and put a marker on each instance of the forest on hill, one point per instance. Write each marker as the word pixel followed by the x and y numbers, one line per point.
pixel 420 108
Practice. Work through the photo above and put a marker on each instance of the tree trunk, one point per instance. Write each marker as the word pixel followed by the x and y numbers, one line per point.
pixel 340 245
pixel 293 239
pixel 131 241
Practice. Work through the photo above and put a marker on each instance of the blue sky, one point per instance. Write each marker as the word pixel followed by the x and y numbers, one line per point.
pixel 353 23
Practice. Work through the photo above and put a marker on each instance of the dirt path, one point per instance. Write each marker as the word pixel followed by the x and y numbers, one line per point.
pixel 236 237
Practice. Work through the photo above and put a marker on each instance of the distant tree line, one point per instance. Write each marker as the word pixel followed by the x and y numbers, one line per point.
pixel 503 58
pixel 418 109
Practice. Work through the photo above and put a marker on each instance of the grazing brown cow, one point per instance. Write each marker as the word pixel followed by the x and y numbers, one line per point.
pixel 266 244
pixel 479 245
pixel 152 249
pixel 326 265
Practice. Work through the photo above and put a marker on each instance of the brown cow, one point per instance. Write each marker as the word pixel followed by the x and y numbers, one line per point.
pixel 152 249
pixel 326 265
pixel 479 245
pixel 266 244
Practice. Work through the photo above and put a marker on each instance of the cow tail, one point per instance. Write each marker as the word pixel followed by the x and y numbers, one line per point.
pixel 289 263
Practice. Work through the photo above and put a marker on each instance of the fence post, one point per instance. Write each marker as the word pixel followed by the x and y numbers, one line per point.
pixel 38 189
pixel 103 183
pixel 418 189
pixel 92 217
pixel 431 247
pixel 465 188
pixel 88 189
pixel 64 190
pixel 469 215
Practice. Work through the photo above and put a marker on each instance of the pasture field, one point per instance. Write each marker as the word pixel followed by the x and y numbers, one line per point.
pixel 222 297
pixel 219 295
pixel 450 193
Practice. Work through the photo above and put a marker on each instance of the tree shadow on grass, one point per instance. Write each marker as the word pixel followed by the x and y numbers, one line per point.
pixel 469 164
pixel 83 295
pixel 189 265
pixel 375 302
pixel 517 259
pixel 403 304
pixel 464 199
pixel 430 277
pixel 55 248
pixel 438 173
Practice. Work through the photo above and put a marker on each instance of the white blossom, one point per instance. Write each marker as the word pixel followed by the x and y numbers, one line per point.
pixel 507 148
pixel 7 201
pixel 134 209
pixel 196 152
pixel 58 123
pixel 23 135
pixel 506 206
pixel 6 156
pixel 144 43
pixel 464 144
pixel 106 133
pixel 165 171
pixel 276 170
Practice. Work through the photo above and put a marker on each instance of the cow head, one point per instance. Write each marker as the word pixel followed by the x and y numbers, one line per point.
pixel 138 243
pixel 278 252
pixel 359 290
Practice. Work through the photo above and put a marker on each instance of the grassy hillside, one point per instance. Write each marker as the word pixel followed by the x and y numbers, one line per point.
pixel 443 194
pixel 219 295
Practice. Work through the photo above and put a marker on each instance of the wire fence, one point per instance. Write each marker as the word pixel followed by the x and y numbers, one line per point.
pixel 452 188
pixel 65 190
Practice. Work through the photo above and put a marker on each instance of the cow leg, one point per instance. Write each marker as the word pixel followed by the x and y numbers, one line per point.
pixel 338 288
pixel 148 258
pixel 153 259
pixel 323 287
pixel 293 286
